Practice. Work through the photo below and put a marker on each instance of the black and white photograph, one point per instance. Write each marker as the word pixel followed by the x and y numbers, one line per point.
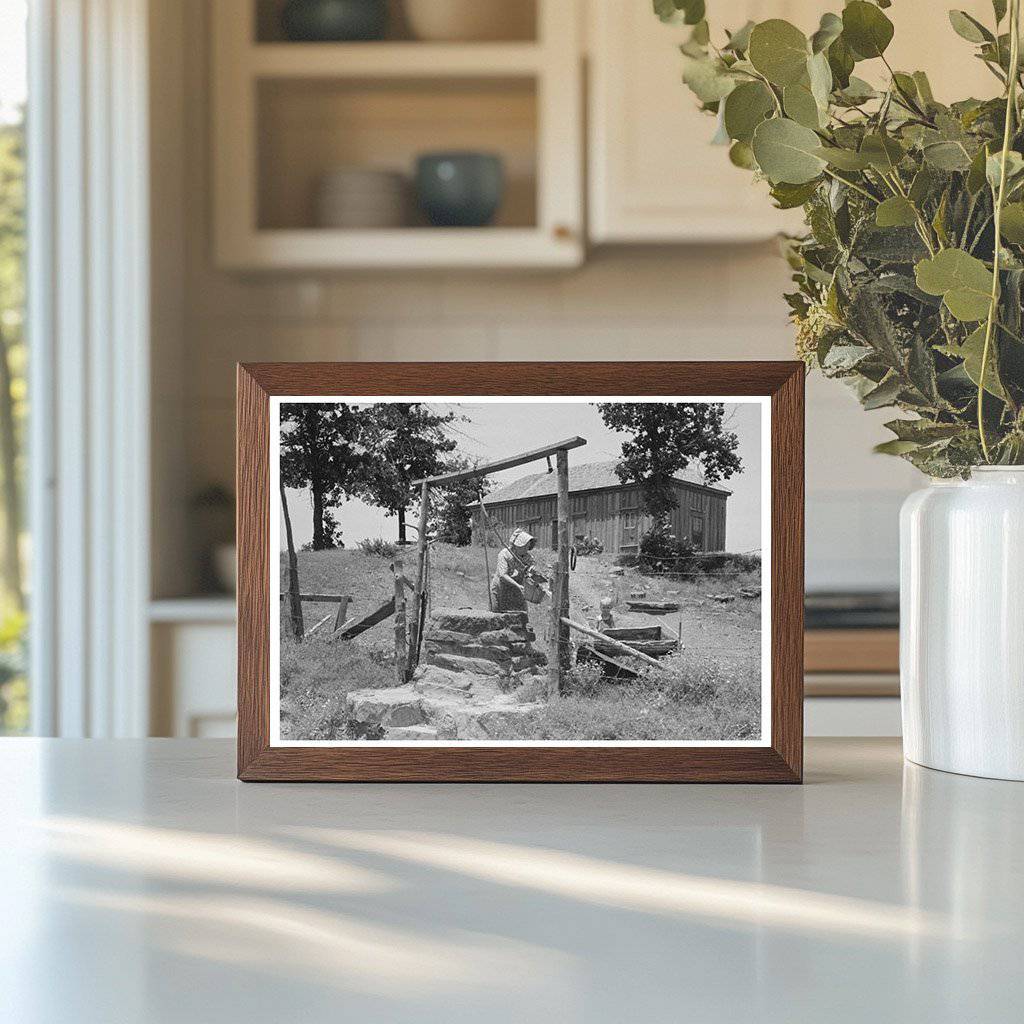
pixel 520 570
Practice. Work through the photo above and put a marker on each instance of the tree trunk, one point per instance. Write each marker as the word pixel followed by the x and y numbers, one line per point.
pixel 401 526
pixel 319 537
pixel 294 600
pixel 11 493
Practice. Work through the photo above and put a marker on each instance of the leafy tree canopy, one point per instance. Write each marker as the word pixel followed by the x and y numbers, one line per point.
pixel 667 437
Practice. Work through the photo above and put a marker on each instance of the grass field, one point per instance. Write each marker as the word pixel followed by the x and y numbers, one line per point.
pixel 711 692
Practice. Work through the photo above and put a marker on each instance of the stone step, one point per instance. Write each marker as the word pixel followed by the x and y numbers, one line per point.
pixel 473 666
pixel 467 620
pixel 411 732
pixel 434 681
pixel 393 706
pixel 498 654
pixel 505 637
pixel 494 722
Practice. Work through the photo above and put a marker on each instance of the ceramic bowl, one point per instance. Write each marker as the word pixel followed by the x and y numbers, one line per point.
pixel 333 21
pixel 470 20
pixel 358 197
pixel 460 189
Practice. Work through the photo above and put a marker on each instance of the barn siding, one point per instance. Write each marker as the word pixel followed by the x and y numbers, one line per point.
pixel 601 514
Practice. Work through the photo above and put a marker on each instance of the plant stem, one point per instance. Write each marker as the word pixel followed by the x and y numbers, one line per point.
pixel 853 185
pixel 1011 109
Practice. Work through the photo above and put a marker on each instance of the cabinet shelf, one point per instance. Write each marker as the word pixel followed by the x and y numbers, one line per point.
pixel 393 60
pixel 285 115
pixel 408 248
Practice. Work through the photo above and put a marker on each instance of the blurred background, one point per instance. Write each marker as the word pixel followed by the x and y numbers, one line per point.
pixel 361 180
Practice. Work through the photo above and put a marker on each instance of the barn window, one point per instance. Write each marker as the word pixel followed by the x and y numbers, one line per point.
pixel 697 530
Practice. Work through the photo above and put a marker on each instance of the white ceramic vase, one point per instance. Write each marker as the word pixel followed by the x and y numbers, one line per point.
pixel 962 624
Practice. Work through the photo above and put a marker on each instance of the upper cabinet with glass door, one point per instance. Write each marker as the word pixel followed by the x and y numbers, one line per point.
pixel 655 177
pixel 318 136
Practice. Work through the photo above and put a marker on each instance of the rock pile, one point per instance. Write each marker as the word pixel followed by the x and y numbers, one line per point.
pixel 468 685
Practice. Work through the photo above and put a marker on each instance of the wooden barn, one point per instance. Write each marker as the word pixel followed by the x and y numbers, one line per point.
pixel 605 508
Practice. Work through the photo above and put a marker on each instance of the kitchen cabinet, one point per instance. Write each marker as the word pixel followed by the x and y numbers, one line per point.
pixel 288 114
pixel 653 175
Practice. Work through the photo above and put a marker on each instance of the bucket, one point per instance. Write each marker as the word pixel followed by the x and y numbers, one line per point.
pixel 533 591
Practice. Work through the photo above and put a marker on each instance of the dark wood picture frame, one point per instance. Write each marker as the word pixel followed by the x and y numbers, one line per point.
pixel 780 761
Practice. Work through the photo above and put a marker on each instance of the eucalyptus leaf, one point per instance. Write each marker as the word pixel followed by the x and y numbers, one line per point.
pixel 969 28
pixel 993 167
pixel 689 12
pixel 895 212
pixel 922 185
pixel 924 87
pixel 745 108
pixel 819 75
pixel 895 447
pixel 857 91
pixel 787 152
pixel 844 159
pixel 922 431
pixel 840 60
pixel 976 175
pixel 972 352
pixel 779 51
pixel 866 30
pixel 829 30
pixel 801 106
pixel 741 155
pixel 885 394
pixel 788 196
pixel 708 80
pixel 1012 223
pixel 883 152
pixel 947 156
pixel 963 281
pixel 739 41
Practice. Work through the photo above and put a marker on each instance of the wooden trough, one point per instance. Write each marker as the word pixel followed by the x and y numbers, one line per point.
pixel 648 640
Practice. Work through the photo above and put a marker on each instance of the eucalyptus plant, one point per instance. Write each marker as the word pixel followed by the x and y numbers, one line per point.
pixel 910 278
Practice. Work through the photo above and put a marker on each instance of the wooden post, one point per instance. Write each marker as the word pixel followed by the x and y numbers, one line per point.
pixel 483 544
pixel 561 660
pixel 294 600
pixel 417 603
pixel 401 651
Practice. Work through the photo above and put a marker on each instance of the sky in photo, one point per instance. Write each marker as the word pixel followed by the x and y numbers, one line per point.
pixel 492 430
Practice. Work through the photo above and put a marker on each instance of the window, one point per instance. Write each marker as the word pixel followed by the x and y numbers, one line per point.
pixel 697 530
pixel 14 706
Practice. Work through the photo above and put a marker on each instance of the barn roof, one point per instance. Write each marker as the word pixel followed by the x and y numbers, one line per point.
pixel 590 476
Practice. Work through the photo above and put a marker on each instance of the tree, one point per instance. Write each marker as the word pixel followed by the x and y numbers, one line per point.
pixel 408 442
pixel 665 439
pixel 12 348
pixel 323 448
pixel 451 511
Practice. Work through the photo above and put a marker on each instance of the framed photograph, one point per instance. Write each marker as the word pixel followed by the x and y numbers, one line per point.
pixel 558 572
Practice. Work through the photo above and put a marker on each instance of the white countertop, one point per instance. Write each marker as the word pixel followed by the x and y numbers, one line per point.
pixel 140 882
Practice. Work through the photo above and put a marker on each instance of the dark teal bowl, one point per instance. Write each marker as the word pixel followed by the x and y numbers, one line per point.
pixel 460 190
pixel 334 21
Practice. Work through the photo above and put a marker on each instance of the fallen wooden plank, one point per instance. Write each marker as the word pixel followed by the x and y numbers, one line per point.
pixel 322 598
pixel 587 653
pixel 633 632
pixel 622 648
pixel 654 607
pixel 367 621
pixel 653 648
